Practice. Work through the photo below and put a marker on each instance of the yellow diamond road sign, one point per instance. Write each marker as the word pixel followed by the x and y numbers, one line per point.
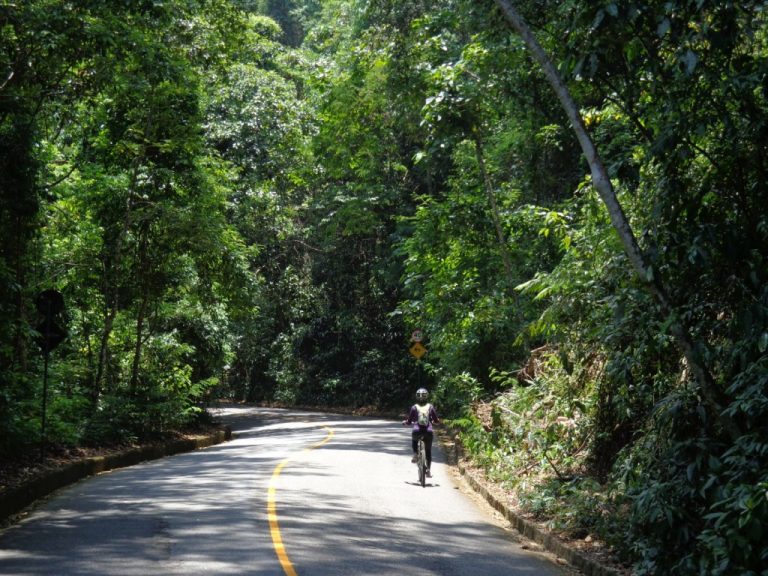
pixel 417 350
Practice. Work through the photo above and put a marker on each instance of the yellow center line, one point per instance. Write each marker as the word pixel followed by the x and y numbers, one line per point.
pixel 274 527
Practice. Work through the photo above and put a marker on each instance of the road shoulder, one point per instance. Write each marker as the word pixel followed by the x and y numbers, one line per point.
pixel 14 499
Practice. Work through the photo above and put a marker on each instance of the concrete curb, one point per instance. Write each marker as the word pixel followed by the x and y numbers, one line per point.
pixel 528 529
pixel 14 500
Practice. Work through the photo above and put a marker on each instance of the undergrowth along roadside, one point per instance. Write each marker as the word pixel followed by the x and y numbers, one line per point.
pixel 533 441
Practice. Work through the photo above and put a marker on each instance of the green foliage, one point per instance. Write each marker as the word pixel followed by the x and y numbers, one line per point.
pixel 134 230
pixel 698 494
pixel 21 426
pixel 456 395
pixel 580 507
pixel 66 418
pixel 263 199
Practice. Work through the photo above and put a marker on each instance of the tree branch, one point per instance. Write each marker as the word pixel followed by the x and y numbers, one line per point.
pixel 604 187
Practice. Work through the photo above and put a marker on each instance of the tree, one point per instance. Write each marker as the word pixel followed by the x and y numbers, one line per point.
pixel 661 69
pixel 602 182
pixel 47 64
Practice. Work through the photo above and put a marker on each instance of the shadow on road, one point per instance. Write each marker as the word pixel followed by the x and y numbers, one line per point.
pixel 350 507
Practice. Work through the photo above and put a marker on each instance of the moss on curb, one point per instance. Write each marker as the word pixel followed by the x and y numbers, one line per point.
pixel 14 500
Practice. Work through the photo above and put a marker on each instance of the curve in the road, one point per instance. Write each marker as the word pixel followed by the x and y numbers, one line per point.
pixel 274 526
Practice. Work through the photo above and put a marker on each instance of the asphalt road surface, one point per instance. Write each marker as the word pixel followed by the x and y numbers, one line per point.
pixel 294 493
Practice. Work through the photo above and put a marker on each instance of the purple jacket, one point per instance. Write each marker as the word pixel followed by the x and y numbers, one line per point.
pixel 413 418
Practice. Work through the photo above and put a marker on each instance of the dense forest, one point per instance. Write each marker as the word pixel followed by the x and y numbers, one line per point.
pixel 261 200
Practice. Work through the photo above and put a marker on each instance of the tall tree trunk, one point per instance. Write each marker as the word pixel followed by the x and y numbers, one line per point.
pixel 20 348
pixel 88 350
pixel 139 341
pixel 144 280
pixel 602 183
pixel 111 284
pixel 19 207
pixel 111 289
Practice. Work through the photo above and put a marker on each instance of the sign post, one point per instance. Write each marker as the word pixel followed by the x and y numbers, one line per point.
pixel 417 350
pixel 50 303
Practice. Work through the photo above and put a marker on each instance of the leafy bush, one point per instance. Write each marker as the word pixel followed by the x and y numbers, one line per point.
pixel 691 493
pixel 455 395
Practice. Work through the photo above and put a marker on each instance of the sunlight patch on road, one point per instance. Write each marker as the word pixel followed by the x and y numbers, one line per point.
pixel 274 527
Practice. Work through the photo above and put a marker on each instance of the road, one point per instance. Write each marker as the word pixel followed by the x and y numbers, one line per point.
pixel 294 493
